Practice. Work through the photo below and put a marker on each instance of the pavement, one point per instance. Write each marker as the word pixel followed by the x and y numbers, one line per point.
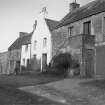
pixel 68 92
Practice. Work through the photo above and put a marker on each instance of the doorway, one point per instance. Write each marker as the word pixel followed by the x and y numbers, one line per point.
pixel 100 61
pixel 44 61
pixel 89 62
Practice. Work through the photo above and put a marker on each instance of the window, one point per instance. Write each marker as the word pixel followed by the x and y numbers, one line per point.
pixel 28 62
pixel 35 44
pixel 24 61
pixel 70 31
pixel 34 56
pixel 87 27
pixel 44 42
pixel 26 47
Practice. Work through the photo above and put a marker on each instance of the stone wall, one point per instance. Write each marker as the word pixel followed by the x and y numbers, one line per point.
pixel 62 42
pixel 14 55
pixel 4 63
pixel 58 38
pixel 97 26
pixel 100 61
pixel 78 46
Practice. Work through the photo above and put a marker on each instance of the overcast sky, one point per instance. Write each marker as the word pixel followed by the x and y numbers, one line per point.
pixel 19 15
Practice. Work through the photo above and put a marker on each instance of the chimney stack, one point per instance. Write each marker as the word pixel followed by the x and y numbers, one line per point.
pixel 73 6
pixel 34 26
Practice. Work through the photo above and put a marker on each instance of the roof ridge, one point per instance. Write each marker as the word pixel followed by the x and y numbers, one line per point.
pixel 26 39
pixel 93 7
pixel 51 23
pixel 51 19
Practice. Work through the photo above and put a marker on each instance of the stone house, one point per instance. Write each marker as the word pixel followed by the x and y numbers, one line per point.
pixel 14 51
pixel 83 35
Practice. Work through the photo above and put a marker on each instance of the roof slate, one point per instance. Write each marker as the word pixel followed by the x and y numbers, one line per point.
pixel 21 41
pixel 88 10
pixel 51 23
pixel 25 38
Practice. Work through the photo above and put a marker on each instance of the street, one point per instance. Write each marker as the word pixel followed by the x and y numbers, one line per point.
pixel 10 95
pixel 35 87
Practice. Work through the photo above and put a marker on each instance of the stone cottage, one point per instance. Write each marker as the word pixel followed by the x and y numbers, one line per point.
pixel 83 36
pixel 14 51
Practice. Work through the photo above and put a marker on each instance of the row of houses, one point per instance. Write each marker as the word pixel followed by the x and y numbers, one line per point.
pixel 81 33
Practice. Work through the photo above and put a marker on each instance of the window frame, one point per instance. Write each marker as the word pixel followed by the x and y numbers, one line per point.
pixel 88 23
pixel 26 47
pixel 35 44
pixel 70 30
pixel 44 42
pixel 24 61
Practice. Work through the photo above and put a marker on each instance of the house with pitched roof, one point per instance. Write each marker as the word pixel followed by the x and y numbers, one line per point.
pixel 84 36
pixel 15 50
pixel 33 50
pixel 26 50
pixel 41 42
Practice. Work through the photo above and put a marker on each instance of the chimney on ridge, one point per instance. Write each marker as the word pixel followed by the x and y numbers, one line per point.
pixel 34 26
pixel 74 5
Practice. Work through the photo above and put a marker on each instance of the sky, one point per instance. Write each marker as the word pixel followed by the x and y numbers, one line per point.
pixel 19 16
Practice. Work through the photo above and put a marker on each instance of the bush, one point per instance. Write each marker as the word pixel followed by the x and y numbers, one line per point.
pixel 61 63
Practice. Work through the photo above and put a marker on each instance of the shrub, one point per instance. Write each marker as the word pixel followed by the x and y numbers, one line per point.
pixel 61 63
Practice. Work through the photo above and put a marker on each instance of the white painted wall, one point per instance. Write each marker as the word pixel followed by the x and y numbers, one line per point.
pixel 25 54
pixel 41 32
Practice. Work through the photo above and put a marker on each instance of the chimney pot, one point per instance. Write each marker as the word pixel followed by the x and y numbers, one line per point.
pixel 34 26
pixel 74 6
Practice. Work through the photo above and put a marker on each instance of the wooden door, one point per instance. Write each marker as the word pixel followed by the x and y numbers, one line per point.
pixel 18 64
pixel 28 63
pixel 100 61
pixel 44 61
pixel 89 62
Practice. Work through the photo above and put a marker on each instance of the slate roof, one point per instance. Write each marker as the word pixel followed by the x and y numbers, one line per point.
pixel 26 39
pixel 51 23
pixel 85 11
